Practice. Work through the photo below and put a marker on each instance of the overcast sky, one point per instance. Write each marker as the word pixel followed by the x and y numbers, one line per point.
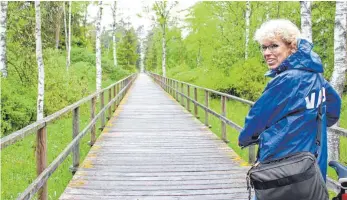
pixel 130 9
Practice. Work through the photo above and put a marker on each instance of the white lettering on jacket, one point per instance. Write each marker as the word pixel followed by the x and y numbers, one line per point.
pixel 311 102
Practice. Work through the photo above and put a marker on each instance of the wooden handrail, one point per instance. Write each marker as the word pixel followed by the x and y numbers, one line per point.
pixel 39 185
pixel 32 128
pixel 336 130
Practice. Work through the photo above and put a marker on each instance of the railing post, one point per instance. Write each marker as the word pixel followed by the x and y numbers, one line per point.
pixel 92 115
pixel 223 125
pixel 114 96
pixel 177 96
pixel 76 149
pixel 182 95
pixel 333 145
pixel 206 105
pixel 102 105
pixel 41 159
pixel 118 90
pixel 188 94
pixel 196 105
pixel 109 100
pixel 251 154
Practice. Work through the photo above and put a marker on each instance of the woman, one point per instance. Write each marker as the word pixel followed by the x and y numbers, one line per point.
pixel 284 118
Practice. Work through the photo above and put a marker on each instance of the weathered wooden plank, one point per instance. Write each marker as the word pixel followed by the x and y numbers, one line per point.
pixel 116 192
pixel 83 172
pixel 240 196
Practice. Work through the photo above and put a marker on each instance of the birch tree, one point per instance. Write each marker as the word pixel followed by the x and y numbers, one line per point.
pixel 98 48
pixel 248 15
pixel 3 23
pixel 162 11
pixel 114 12
pixel 41 73
pixel 306 22
pixel 340 67
pixel 57 26
pixel 65 28
pixel 69 48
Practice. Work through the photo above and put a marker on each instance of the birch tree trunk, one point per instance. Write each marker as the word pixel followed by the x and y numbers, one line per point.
pixel 306 22
pixel 340 68
pixel 69 49
pixel 41 73
pixel 248 15
pixel 66 38
pixel 163 65
pixel 98 48
pixel 114 9
pixel 57 28
pixel 3 23
pixel 162 10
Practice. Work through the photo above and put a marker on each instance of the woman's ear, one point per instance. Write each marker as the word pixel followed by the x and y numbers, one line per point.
pixel 293 47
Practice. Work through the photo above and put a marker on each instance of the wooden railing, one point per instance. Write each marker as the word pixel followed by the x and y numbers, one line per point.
pixel 40 183
pixel 181 91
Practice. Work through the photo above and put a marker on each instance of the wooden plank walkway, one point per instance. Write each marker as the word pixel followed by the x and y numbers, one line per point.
pixel 152 148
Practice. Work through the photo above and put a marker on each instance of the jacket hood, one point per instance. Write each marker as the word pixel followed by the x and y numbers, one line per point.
pixel 304 59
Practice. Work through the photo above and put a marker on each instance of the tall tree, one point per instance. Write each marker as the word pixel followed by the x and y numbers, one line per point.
pixel 57 25
pixel 41 72
pixel 162 11
pixel 267 10
pixel 306 22
pixel 340 66
pixel 248 16
pixel 65 30
pixel 98 48
pixel 114 12
pixel 3 23
pixel 69 48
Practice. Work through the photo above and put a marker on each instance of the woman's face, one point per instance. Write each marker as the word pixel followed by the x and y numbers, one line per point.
pixel 275 51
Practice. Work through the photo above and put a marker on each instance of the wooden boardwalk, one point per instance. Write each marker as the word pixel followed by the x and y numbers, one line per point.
pixel 152 148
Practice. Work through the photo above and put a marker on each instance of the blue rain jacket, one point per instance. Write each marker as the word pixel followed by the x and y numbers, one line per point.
pixel 284 118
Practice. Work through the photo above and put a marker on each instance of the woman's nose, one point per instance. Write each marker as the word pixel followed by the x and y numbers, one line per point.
pixel 266 52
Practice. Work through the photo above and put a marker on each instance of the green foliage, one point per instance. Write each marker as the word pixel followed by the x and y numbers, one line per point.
pixel 248 78
pixel 126 51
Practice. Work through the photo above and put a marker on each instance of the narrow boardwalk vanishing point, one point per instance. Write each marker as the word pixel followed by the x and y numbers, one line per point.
pixel 152 148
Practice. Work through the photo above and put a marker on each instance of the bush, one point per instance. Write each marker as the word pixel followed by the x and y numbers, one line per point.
pixel 248 78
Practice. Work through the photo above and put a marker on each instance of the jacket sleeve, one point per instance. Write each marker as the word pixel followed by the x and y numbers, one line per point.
pixel 269 106
pixel 333 105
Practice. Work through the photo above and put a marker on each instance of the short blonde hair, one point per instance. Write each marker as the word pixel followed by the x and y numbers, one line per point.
pixel 282 28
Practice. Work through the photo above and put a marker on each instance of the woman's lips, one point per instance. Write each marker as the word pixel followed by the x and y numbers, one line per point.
pixel 270 61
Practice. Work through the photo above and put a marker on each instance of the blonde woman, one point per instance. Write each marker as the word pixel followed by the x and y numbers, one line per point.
pixel 283 121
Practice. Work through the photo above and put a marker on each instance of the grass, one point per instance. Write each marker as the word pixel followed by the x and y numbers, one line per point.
pixel 18 168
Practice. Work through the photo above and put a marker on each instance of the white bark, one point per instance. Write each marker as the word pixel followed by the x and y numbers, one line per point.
pixel 41 73
pixel 66 38
pixel 98 49
pixel 248 15
pixel 162 12
pixel 69 49
pixel 163 65
pixel 306 22
pixel 340 68
pixel 114 9
pixel 3 23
